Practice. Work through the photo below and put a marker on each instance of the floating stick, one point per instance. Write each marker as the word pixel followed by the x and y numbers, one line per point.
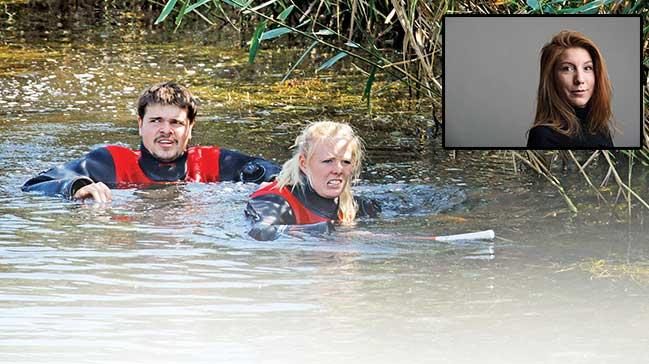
pixel 478 235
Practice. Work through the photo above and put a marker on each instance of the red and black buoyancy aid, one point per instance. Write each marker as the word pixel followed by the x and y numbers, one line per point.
pixel 202 166
pixel 303 216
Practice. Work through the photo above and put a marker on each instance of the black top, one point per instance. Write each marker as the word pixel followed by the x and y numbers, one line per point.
pixel 544 137
pixel 98 166
pixel 272 215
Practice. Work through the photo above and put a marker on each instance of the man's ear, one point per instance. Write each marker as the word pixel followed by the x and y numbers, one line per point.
pixel 191 127
pixel 139 125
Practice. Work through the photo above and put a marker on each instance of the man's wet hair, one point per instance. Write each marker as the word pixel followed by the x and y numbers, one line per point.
pixel 168 93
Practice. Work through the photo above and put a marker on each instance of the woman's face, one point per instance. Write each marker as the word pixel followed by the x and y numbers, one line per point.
pixel 575 76
pixel 329 168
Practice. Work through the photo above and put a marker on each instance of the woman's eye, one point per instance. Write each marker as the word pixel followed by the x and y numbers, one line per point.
pixel 567 68
pixel 347 162
pixel 327 161
pixel 588 68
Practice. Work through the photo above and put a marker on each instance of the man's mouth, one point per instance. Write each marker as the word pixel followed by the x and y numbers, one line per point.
pixel 165 142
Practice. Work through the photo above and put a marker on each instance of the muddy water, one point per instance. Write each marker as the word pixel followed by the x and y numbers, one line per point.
pixel 168 275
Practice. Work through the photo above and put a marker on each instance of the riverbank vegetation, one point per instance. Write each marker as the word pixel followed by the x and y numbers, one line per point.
pixel 387 42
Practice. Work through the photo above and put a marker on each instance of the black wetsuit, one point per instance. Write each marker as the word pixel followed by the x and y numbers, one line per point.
pixel 120 167
pixel 297 210
pixel 544 137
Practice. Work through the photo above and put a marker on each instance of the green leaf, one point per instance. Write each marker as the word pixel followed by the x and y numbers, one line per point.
pixel 634 8
pixel 352 44
pixel 589 8
pixel 195 6
pixel 166 11
pixel 274 33
pixel 259 7
pixel 304 23
pixel 534 4
pixel 237 4
pixel 181 14
pixel 284 14
pixel 367 92
pixel 332 61
pixel 302 57
pixel 412 12
pixel 325 31
pixel 254 42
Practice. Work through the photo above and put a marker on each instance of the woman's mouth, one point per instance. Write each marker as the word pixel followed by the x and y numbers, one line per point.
pixel 334 182
pixel 578 92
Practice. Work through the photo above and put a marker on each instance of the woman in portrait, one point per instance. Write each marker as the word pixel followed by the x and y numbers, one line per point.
pixel 574 96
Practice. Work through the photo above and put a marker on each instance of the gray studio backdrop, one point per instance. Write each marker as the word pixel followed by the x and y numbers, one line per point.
pixel 491 74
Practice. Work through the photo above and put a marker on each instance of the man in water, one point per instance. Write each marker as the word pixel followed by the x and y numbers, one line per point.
pixel 166 114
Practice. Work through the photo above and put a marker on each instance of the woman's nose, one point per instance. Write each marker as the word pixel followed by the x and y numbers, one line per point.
pixel 579 78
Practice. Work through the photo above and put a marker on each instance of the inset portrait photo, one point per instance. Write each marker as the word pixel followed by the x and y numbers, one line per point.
pixel 542 82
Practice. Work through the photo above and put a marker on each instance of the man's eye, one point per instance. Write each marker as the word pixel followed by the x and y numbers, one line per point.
pixel 178 122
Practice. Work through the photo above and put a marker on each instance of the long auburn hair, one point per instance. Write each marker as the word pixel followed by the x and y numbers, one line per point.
pixel 314 134
pixel 552 109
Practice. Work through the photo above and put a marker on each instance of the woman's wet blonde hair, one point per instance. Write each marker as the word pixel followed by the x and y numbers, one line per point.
pixel 551 107
pixel 313 135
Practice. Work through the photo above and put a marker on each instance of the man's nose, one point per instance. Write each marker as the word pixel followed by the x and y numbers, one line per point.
pixel 164 127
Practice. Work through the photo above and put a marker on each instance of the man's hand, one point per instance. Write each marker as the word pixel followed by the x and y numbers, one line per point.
pixel 97 191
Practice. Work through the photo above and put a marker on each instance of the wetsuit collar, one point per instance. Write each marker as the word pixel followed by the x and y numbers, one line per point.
pixel 159 171
pixel 325 207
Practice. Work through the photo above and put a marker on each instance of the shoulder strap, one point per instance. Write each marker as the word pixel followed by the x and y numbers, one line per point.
pixel 203 164
pixel 302 214
pixel 127 168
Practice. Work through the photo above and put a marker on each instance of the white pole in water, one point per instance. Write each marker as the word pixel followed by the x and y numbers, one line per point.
pixel 479 235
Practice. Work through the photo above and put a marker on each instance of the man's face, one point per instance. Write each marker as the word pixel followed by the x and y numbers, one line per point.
pixel 575 76
pixel 165 131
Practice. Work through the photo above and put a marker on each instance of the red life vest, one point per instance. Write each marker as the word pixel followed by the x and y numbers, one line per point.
pixel 202 166
pixel 303 215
